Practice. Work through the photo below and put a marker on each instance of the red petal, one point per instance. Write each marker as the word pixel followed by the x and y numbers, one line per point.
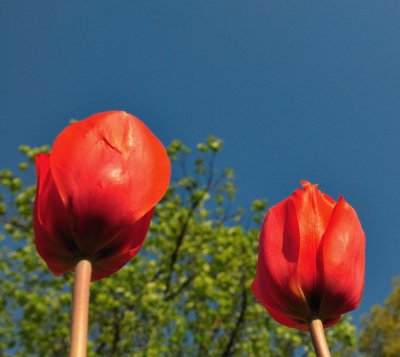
pixel 121 249
pixel 53 237
pixel 287 321
pixel 110 170
pixel 276 284
pixel 58 249
pixel 313 211
pixel 342 262
pixel 300 325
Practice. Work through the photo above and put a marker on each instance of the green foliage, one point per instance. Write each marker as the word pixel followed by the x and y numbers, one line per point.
pixel 380 334
pixel 187 293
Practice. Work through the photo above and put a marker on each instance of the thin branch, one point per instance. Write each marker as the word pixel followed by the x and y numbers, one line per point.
pixel 117 332
pixel 174 255
pixel 180 238
pixel 238 324
pixel 100 348
pixel 180 288
pixel 210 184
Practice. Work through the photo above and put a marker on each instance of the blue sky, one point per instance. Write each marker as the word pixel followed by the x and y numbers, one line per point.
pixel 298 90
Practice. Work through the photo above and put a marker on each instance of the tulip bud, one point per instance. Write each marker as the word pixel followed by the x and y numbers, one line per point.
pixel 96 193
pixel 311 259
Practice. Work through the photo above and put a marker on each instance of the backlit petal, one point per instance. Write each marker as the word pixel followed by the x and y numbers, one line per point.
pixel 122 249
pixel 342 262
pixel 276 284
pixel 310 259
pixel 96 193
pixel 110 170
pixel 53 237
pixel 313 211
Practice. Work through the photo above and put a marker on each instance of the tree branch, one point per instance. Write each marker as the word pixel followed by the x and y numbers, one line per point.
pixel 180 288
pixel 180 238
pixel 239 322
pixel 117 330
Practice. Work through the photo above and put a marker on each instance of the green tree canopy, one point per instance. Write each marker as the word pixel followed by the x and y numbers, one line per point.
pixel 380 334
pixel 187 293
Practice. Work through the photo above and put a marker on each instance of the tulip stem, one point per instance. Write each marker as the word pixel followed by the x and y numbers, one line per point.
pixel 318 338
pixel 80 309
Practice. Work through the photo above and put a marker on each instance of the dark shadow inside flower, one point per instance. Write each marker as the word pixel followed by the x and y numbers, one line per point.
pixel 93 232
pixel 314 301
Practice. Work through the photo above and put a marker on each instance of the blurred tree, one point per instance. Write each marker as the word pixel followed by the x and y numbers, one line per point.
pixel 380 333
pixel 185 294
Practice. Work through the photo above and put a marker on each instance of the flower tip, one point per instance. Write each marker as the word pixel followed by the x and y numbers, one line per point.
pixel 305 183
pixel 342 201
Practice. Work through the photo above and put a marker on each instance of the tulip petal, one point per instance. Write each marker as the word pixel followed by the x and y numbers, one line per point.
pixel 276 285
pixel 49 219
pixel 311 259
pixel 313 212
pixel 342 262
pixel 287 321
pixel 122 249
pixel 110 170
pixel 299 324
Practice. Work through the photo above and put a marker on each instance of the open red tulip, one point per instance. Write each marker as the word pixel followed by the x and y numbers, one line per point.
pixel 96 193
pixel 311 259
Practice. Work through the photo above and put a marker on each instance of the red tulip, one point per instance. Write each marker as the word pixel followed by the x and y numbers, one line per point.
pixel 311 259
pixel 96 193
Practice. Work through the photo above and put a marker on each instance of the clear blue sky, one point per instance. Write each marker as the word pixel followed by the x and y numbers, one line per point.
pixel 297 89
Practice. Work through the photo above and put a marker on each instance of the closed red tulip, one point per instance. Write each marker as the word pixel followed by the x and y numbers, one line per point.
pixel 96 192
pixel 311 259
